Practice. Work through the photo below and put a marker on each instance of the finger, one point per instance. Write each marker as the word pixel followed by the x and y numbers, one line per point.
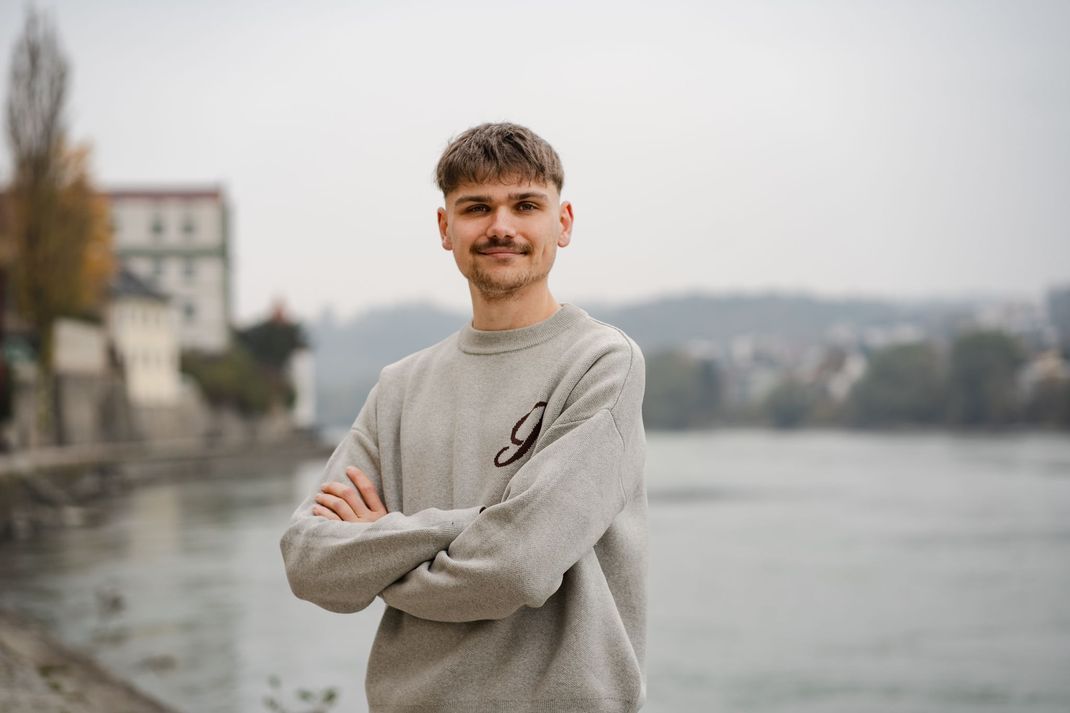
pixel 367 491
pixel 345 492
pixel 338 506
pixel 320 511
pixel 353 472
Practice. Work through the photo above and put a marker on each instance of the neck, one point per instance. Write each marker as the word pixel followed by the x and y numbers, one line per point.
pixel 523 308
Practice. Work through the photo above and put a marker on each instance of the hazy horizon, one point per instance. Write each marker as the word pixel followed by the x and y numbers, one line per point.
pixel 886 150
pixel 964 298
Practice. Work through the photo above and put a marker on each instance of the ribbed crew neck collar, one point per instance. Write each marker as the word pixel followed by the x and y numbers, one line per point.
pixel 478 341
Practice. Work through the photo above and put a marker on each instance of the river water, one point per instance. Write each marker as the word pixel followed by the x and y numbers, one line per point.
pixel 809 572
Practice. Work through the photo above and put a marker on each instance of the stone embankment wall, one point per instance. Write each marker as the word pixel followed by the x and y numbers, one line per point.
pixel 45 487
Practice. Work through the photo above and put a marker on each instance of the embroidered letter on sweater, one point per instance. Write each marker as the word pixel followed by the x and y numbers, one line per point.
pixel 527 443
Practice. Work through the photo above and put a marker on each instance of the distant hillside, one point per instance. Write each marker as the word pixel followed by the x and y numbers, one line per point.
pixel 672 321
pixel 349 355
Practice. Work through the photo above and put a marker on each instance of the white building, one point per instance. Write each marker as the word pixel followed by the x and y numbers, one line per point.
pixel 178 241
pixel 302 373
pixel 141 325
pixel 82 386
pixel 79 348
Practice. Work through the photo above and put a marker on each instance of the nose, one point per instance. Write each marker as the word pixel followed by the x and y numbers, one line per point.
pixel 502 224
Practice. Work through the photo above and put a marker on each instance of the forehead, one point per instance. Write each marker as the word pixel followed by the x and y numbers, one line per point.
pixel 502 190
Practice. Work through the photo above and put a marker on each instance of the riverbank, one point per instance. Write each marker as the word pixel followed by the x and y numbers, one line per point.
pixel 38 674
pixel 58 486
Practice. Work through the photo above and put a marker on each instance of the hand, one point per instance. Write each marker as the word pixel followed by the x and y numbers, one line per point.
pixel 360 503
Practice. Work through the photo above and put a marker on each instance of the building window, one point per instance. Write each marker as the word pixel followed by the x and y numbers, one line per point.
pixel 188 269
pixel 190 311
pixel 157 268
pixel 157 226
pixel 188 226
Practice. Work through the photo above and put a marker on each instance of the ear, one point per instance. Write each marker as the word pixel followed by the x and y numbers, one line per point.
pixel 566 224
pixel 447 244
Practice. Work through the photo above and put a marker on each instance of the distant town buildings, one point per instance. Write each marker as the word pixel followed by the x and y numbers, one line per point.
pixel 1048 366
pixel 118 368
pixel 81 384
pixel 1025 320
pixel 178 242
pixel 80 348
pixel 302 373
pixel 141 325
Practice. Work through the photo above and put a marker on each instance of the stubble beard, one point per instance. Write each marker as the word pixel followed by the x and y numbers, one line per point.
pixel 495 287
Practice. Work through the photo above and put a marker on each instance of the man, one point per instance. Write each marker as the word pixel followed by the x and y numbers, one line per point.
pixel 491 490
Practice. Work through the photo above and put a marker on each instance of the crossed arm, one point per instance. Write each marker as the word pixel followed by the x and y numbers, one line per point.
pixel 343 566
pixel 344 548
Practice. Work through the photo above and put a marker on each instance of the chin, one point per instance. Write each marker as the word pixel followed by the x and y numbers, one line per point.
pixel 497 286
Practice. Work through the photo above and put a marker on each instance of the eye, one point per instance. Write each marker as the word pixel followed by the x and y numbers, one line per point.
pixel 527 207
pixel 477 208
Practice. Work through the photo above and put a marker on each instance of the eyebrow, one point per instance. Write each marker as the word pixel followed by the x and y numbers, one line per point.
pixel 473 199
pixel 527 195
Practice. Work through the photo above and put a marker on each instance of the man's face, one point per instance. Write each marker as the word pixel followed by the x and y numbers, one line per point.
pixel 504 236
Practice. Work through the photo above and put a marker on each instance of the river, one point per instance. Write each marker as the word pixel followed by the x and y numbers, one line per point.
pixel 802 572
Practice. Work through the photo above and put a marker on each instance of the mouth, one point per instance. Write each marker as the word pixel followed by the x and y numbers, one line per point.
pixel 501 251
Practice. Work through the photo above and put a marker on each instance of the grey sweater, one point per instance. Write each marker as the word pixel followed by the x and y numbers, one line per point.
pixel 538 602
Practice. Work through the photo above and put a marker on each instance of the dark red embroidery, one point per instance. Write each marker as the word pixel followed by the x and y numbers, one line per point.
pixel 526 444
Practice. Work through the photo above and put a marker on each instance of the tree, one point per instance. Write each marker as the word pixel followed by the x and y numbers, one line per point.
pixel 790 404
pixel 981 380
pixel 84 222
pixel 681 391
pixel 236 380
pixel 251 376
pixel 904 384
pixel 273 341
pixel 56 223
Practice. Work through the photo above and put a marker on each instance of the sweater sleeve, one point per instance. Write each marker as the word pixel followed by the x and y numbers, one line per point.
pixel 343 566
pixel 556 507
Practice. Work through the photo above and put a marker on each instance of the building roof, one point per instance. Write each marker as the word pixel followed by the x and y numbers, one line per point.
pixel 127 284
pixel 167 192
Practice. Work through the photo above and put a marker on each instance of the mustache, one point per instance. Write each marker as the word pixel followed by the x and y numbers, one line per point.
pixel 501 244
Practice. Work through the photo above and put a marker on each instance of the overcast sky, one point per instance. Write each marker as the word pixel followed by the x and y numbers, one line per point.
pixel 899 148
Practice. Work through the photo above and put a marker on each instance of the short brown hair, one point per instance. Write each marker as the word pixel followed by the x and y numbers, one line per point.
pixel 500 151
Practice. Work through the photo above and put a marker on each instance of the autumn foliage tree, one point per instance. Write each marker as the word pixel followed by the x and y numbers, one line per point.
pixel 57 226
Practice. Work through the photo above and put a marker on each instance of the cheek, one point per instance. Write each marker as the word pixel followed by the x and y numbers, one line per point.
pixel 549 248
pixel 548 254
pixel 462 238
pixel 462 259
